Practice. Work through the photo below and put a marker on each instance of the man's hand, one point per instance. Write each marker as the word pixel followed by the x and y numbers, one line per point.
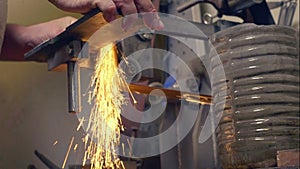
pixel 20 39
pixel 109 8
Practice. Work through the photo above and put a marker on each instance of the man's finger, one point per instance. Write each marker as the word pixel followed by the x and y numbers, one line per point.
pixel 144 6
pixel 127 8
pixel 150 17
pixel 108 8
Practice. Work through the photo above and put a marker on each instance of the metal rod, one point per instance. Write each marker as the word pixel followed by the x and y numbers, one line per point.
pixel 182 34
pixel 188 5
pixel 172 94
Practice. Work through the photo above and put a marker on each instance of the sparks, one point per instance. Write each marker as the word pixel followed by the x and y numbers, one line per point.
pixel 104 125
pixel 68 152
pixel 75 147
pixel 55 142
pixel 80 123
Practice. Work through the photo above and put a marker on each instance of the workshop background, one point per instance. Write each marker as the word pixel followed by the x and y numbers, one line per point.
pixel 33 101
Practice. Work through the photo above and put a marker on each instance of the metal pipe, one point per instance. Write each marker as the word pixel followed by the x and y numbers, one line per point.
pixel 72 88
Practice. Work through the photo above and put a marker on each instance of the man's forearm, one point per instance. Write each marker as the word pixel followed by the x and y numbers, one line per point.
pixel 20 39
pixel 14 44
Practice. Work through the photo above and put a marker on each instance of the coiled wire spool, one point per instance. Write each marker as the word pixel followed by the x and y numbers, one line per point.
pixel 261 113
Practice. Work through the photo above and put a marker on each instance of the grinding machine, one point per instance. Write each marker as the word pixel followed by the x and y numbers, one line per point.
pixel 251 105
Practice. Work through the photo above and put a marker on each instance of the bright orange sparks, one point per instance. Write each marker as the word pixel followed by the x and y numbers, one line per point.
pixel 68 152
pixel 104 125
